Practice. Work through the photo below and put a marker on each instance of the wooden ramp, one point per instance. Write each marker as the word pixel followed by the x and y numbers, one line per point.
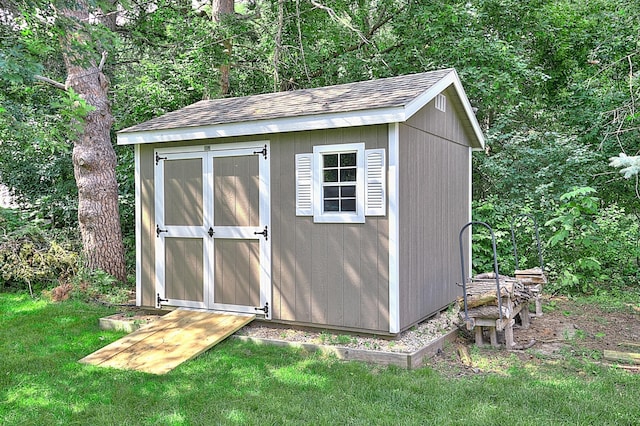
pixel 161 346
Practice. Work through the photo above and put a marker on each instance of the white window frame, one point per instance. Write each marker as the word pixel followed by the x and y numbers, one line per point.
pixel 319 215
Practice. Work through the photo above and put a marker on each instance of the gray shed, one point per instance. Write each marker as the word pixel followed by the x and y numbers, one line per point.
pixel 337 207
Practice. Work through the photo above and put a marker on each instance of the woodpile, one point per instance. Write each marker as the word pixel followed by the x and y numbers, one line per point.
pixel 535 280
pixel 484 311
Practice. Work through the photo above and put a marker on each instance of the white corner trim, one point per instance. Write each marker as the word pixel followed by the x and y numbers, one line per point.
pixel 138 223
pixel 470 218
pixel 394 229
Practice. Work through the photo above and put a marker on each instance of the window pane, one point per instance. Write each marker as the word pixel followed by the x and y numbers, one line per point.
pixel 348 159
pixel 331 205
pixel 347 175
pixel 348 191
pixel 330 176
pixel 330 160
pixel 331 191
pixel 348 205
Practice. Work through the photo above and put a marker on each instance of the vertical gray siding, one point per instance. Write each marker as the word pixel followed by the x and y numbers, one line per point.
pixel 434 205
pixel 326 274
pixel 333 275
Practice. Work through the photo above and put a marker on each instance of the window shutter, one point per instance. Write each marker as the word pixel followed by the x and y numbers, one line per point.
pixel 375 179
pixel 304 184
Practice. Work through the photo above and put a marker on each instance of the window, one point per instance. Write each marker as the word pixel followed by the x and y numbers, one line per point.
pixel 341 183
pixel 339 173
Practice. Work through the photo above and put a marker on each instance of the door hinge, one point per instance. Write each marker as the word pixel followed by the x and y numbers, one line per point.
pixel 264 233
pixel 160 231
pixel 263 151
pixel 158 158
pixel 264 309
pixel 159 300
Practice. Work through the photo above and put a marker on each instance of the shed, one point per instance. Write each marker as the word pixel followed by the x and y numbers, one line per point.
pixel 337 207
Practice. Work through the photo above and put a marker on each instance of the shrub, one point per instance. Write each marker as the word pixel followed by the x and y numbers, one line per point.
pixel 593 247
pixel 35 259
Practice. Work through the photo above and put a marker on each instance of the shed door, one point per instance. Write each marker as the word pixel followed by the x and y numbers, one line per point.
pixel 213 245
pixel 183 248
pixel 241 226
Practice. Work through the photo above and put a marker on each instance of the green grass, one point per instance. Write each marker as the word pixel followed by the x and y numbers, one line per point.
pixel 41 383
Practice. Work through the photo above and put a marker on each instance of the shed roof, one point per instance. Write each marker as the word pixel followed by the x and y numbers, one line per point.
pixel 385 100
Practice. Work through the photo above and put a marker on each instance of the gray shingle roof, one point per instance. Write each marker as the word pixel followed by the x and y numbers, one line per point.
pixel 365 95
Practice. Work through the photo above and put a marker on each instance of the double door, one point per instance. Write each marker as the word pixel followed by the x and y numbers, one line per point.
pixel 212 227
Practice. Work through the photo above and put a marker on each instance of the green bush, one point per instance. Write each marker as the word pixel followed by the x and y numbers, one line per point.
pixel 34 259
pixel 594 248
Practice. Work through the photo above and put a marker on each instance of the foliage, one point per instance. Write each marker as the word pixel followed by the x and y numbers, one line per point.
pixel 555 84
pixel 595 248
pixel 34 258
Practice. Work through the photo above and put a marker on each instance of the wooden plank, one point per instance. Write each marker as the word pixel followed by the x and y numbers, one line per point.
pixel 630 344
pixel 626 357
pixel 175 338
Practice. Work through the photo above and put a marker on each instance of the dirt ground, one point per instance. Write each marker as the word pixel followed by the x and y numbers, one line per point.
pixel 566 329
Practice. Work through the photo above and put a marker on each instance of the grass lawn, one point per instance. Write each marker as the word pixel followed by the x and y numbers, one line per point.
pixel 41 383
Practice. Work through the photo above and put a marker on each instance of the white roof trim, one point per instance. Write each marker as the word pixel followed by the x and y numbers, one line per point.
pixel 261 127
pixel 446 81
pixel 310 122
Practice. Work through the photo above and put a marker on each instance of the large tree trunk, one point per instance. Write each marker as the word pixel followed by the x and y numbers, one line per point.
pixel 94 164
pixel 94 159
pixel 220 8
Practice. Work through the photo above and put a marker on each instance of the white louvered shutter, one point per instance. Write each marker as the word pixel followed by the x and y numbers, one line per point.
pixel 304 184
pixel 375 180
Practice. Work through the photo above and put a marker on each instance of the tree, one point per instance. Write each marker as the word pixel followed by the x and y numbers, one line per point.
pixel 81 29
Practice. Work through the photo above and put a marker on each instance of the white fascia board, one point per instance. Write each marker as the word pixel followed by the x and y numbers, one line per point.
pixel 261 127
pixel 451 78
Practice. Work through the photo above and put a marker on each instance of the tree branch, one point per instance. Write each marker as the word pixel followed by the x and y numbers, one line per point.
pixel 103 60
pixel 51 82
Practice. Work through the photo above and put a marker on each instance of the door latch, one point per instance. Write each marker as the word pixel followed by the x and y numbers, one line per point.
pixel 160 231
pixel 264 233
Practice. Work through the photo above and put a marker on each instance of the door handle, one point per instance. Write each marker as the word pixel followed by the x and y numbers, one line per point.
pixel 211 232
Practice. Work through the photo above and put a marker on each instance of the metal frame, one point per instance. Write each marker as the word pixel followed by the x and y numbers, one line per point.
pixel 513 239
pixel 495 268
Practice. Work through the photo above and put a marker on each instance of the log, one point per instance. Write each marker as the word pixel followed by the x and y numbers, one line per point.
pixel 626 357
pixel 463 353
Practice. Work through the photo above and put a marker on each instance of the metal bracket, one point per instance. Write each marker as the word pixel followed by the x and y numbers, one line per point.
pixel 158 158
pixel 264 309
pixel 160 231
pixel 263 151
pixel 264 233
pixel 159 300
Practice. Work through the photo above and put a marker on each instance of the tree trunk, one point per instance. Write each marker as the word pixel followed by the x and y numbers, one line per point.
pixel 220 8
pixel 94 164
pixel 94 159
